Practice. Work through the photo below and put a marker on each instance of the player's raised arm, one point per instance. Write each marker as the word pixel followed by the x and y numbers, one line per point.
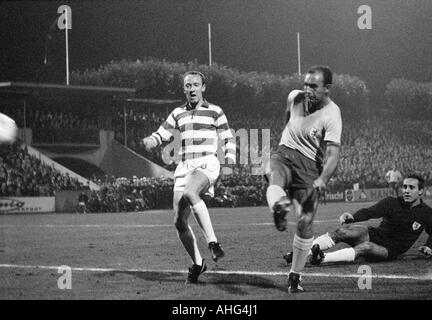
pixel 294 97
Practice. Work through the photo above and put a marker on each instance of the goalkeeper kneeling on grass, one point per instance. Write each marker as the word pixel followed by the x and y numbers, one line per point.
pixel 403 220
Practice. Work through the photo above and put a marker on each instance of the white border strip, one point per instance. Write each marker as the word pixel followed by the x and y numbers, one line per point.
pixel 239 272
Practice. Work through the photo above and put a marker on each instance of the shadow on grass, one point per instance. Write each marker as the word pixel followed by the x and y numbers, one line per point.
pixel 231 283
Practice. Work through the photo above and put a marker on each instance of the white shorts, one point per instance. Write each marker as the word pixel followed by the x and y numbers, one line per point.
pixel 209 165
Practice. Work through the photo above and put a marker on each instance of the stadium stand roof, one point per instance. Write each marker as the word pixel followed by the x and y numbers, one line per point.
pixel 74 92
pixel 48 90
pixel 153 101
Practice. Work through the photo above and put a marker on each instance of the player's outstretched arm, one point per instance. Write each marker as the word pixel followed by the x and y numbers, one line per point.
pixel 294 97
pixel 425 250
pixel 164 133
pixel 379 210
pixel 427 247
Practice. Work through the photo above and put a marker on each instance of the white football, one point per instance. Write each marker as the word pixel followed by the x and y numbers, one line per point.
pixel 8 129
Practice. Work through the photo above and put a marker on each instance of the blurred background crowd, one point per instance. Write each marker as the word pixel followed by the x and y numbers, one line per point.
pixel 23 175
pixel 370 147
pixel 396 132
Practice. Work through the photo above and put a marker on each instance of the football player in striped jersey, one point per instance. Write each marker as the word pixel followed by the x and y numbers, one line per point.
pixel 201 126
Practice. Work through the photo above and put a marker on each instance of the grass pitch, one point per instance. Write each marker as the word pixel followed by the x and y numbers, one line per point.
pixel 138 256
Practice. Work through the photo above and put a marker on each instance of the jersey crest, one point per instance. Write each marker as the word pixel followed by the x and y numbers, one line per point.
pixel 313 132
pixel 416 225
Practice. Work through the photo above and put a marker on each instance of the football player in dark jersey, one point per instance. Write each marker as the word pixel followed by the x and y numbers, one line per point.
pixel 403 220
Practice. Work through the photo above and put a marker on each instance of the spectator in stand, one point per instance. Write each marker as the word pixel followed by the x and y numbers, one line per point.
pixel 393 177
pixel 82 203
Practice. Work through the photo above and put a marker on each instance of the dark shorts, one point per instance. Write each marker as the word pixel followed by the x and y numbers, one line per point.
pixel 303 170
pixel 377 237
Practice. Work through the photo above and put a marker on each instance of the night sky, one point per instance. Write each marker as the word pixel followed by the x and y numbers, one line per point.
pixel 247 35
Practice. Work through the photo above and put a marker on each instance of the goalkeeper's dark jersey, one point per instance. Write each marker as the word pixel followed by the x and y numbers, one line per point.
pixel 400 224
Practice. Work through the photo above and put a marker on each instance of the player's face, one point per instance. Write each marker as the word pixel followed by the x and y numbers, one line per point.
pixel 193 88
pixel 314 86
pixel 410 190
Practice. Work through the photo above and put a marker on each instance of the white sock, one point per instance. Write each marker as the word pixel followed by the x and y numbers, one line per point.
pixel 202 216
pixel 301 248
pixel 274 194
pixel 189 242
pixel 343 255
pixel 325 241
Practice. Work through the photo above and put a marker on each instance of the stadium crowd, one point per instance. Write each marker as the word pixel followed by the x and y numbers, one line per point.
pixel 51 118
pixel 139 125
pixel 24 175
pixel 369 149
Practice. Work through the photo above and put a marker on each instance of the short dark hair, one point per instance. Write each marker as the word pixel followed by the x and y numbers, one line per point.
pixel 196 73
pixel 420 180
pixel 326 72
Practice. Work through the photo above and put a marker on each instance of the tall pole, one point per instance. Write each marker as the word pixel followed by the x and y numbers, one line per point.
pixel 298 54
pixel 209 44
pixel 25 122
pixel 67 49
pixel 65 22
pixel 125 124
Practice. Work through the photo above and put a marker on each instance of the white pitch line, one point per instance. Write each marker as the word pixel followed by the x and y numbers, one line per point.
pixel 144 225
pixel 233 272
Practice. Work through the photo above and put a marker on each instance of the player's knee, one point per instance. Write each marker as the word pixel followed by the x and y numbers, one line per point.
pixel 278 175
pixel 339 234
pixel 364 247
pixel 272 174
pixel 267 170
pixel 304 222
